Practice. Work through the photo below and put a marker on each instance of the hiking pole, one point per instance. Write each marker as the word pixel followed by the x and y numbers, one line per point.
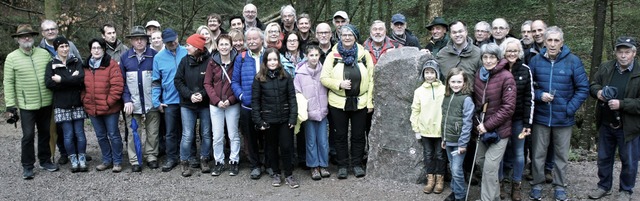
pixel 475 154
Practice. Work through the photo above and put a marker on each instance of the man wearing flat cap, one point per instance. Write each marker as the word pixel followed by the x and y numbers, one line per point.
pixel 24 89
pixel 137 65
pixel 617 118
pixel 439 38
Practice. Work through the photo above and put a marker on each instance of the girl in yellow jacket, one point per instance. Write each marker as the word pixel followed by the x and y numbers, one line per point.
pixel 426 118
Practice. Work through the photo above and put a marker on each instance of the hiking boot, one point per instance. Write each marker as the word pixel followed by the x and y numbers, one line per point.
pixel 439 184
pixel 63 160
pixel 204 165
pixel 503 190
pixel 74 163
pixel 103 166
pixel 548 177
pixel 516 191
pixel 234 169
pixel 194 163
pixel 342 173
pixel 451 197
pixel 169 165
pixel 324 172
pixel 431 182
pixel 255 174
pixel 82 162
pixel 186 171
pixel 358 172
pixel 598 193
pixel 275 180
pixel 217 169
pixel 315 174
pixel 292 182
pixel 27 173
pixel 49 166
pixel 152 164
pixel 560 195
pixel 116 168
pixel 624 196
pixel 536 193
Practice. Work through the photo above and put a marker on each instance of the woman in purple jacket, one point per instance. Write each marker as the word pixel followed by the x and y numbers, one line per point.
pixel 495 98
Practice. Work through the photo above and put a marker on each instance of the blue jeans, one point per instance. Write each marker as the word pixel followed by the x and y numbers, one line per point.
pixel 458 185
pixel 174 131
pixel 433 161
pixel 71 129
pixel 608 140
pixel 109 139
pixel 317 143
pixel 230 115
pixel 514 153
pixel 189 117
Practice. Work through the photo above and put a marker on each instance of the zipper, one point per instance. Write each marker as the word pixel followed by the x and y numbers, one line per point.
pixel 35 71
pixel 550 83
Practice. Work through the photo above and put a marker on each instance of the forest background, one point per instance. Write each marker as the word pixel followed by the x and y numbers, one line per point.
pixel 590 26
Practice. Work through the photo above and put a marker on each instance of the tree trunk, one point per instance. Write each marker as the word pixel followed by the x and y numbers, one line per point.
pixel 435 9
pixel 52 9
pixel 552 12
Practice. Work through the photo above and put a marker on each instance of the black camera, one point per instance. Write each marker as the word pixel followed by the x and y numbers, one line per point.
pixel 14 118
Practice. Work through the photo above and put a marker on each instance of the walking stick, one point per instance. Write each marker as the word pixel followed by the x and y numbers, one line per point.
pixel 475 154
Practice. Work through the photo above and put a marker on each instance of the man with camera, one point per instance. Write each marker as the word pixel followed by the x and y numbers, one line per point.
pixel 24 88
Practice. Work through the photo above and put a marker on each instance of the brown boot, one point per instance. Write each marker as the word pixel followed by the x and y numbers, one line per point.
pixel 439 184
pixel 503 190
pixel 430 184
pixel 516 191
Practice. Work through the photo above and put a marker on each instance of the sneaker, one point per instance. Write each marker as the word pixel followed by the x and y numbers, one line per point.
pixel 560 195
pixel 27 173
pixel 315 174
pixel 169 165
pixel 217 169
pixel 63 160
pixel 269 171
pixel 255 173
pixel 49 166
pixel 624 196
pixel 233 169
pixel 116 168
pixel 536 193
pixel 103 166
pixel 342 173
pixel 292 182
pixel 358 171
pixel 598 193
pixel 324 172
pixel 275 180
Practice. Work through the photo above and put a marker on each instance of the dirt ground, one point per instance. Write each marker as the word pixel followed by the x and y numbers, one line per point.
pixel 157 185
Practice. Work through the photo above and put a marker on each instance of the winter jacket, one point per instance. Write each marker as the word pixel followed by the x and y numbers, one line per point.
pixel 244 71
pixel 524 93
pixel 426 109
pixel 332 75
pixel 103 87
pixel 274 101
pixel 410 39
pixel 189 80
pixel 217 80
pixel 436 45
pixel 567 76
pixel 73 50
pixel 468 59
pixel 117 51
pixel 307 83
pixel 165 64
pixel 457 119
pixel 24 79
pixel 499 91
pixel 387 44
pixel 629 106
pixel 137 79
pixel 66 94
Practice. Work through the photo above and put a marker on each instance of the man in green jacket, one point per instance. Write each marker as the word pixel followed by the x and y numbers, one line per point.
pixel 24 89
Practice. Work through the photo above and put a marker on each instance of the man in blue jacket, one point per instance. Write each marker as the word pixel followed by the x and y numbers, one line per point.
pixel 165 96
pixel 561 87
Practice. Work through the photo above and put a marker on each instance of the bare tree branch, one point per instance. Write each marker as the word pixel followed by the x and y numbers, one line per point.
pixel 20 9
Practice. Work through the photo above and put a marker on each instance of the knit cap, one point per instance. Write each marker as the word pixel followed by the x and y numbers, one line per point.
pixel 197 41
pixel 59 41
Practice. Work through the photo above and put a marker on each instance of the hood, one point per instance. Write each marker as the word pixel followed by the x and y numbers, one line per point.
pixel 502 64
pixel 217 58
pixel 433 64
pixel 104 62
pixel 564 52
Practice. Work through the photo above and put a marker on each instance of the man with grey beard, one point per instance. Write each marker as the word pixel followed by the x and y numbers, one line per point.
pixel 24 88
pixel 378 43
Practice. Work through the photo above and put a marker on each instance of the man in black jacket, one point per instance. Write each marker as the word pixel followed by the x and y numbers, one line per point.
pixel 400 32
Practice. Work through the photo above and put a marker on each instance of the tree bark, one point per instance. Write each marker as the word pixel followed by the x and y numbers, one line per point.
pixel 552 12
pixel 435 9
pixel 52 9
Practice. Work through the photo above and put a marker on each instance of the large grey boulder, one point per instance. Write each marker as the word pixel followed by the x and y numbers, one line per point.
pixel 394 153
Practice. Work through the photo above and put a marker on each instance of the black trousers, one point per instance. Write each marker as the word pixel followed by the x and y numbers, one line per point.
pixel 30 119
pixel 340 120
pixel 279 140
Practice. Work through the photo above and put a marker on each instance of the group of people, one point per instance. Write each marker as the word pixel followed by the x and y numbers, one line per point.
pixel 296 93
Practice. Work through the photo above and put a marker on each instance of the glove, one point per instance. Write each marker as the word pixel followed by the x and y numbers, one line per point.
pixel 418 136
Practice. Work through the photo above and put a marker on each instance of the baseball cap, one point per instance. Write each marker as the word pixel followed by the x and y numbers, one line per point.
pixel 398 18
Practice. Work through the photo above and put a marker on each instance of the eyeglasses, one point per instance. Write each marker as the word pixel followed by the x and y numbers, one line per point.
pixel 96 48
pixel 347 36
pixel 50 29
pixel 292 41
pixel 250 11
pixel 512 51
pixel 499 28
pixel 324 33
pixel 273 31
pixel 482 31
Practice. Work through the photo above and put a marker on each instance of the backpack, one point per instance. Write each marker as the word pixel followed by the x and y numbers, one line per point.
pixel 338 59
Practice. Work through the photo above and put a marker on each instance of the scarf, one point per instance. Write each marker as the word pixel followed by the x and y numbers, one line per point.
pixel 94 63
pixel 484 74
pixel 402 39
pixel 348 56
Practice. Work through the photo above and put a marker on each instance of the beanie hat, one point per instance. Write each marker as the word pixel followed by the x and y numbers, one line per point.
pixel 433 64
pixel 197 41
pixel 353 30
pixel 59 41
